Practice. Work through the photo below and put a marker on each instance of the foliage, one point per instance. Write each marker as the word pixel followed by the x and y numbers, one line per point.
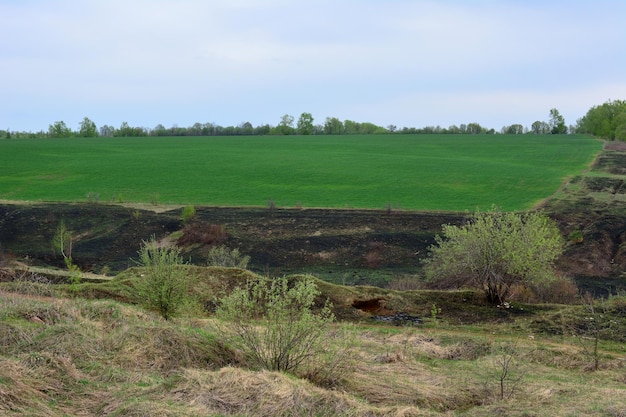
pixel 557 123
pixel 59 130
pixel 606 121
pixel 188 213
pixel 494 251
pixel 88 128
pixel 540 128
pixel 274 323
pixel 126 131
pixel 164 283
pixel 359 171
pixel 515 129
pixel 285 127
pixel 225 257
pixel 333 126
pixel 305 124
pixel 62 242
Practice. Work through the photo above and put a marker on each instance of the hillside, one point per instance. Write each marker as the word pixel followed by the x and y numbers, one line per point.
pixel 78 351
pixel 342 246
pixel 89 349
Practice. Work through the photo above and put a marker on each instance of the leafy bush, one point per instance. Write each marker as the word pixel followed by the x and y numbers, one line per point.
pixel 164 284
pixel 188 213
pixel 230 258
pixel 495 251
pixel 273 323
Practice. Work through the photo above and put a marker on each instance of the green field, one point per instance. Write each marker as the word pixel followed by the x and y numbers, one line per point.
pixel 426 172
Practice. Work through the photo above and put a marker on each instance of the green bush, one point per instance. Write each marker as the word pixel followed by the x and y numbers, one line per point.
pixel 164 284
pixel 188 213
pixel 230 258
pixel 273 323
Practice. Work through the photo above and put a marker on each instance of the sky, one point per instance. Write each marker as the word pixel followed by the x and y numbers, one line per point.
pixel 407 63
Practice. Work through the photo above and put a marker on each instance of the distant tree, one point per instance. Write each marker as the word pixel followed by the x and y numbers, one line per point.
pixel 557 123
pixel 540 128
pixel 262 129
pixel 305 124
pixel 392 128
pixel 107 131
pixel 475 128
pixel 195 130
pixel 350 127
pixel 453 129
pixel 159 130
pixel 59 130
pixel 368 128
pixel 495 251
pixel 606 121
pixel 285 127
pixel 126 130
pixel 515 129
pixel 208 129
pixel 87 129
pixel 318 129
pixel 246 128
pixel 333 126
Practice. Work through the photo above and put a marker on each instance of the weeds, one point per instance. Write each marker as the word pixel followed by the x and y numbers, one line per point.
pixel 597 324
pixel 291 335
pixel 93 198
pixel 225 257
pixel 505 370
pixel 62 242
pixel 188 213
pixel 164 283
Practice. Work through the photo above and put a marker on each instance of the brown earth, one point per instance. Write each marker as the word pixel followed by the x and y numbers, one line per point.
pixel 342 246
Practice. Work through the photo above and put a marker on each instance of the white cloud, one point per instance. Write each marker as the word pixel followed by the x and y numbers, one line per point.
pixel 398 61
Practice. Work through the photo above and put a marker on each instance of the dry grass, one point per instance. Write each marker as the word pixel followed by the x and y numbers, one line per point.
pixel 102 357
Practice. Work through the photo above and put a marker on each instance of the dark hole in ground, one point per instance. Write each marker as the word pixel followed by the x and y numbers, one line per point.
pixel 373 306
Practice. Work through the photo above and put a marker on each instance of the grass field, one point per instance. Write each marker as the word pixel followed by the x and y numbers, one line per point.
pixel 429 172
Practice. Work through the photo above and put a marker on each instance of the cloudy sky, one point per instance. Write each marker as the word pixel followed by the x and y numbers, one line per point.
pixel 402 62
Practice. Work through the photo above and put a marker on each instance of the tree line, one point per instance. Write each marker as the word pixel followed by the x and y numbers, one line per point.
pixel 607 121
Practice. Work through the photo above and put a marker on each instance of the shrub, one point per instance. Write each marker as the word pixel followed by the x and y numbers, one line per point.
pixel 495 251
pixel 202 234
pixel 230 258
pixel 188 213
pixel 164 283
pixel 274 324
pixel 62 242
pixel 505 370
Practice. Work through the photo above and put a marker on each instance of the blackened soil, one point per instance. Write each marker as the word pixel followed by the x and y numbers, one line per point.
pixel 345 246
pixel 353 246
pixel 278 240
pixel 104 236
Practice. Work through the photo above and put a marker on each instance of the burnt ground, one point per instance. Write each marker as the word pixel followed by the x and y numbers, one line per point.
pixel 342 246
pixel 349 246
